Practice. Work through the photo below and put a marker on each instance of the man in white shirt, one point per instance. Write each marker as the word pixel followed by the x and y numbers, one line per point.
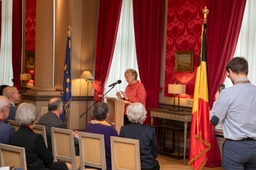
pixel 235 108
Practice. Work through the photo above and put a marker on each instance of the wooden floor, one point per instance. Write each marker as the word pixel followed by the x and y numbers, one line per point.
pixel 172 163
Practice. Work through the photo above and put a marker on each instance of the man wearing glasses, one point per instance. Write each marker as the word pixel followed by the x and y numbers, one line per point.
pixel 5 129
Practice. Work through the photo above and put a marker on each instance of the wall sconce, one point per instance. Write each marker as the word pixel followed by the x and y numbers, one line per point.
pixel 177 89
pixel 25 77
pixel 88 77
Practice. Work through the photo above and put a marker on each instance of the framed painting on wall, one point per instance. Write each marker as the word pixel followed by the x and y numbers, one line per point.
pixel 183 61
pixel 30 60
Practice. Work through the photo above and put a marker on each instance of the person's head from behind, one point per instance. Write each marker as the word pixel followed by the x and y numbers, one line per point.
pixel 26 114
pixel 130 75
pixel 4 107
pixel 55 105
pixel 100 111
pixel 136 113
pixel 237 66
pixel 2 88
pixel 12 94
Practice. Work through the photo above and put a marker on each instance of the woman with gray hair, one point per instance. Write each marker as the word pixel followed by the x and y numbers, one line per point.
pixel 100 126
pixel 134 91
pixel 136 113
pixel 37 155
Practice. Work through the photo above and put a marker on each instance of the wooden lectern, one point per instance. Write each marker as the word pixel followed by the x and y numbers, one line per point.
pixel 116 113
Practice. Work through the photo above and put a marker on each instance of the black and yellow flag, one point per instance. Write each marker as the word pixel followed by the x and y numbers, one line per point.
pixel 200 125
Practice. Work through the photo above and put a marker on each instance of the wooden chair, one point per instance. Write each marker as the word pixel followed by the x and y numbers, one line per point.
pixel 63 148
pixel 40 129
pixel 125 153
pixel 15 124
pixel 12 156
pixel 92 150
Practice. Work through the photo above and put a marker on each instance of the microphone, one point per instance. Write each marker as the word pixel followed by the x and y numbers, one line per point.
pixel 113 84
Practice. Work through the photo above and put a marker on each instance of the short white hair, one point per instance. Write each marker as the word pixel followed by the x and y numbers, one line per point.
pixel 26 114
pixel 136 113
pixel 4 102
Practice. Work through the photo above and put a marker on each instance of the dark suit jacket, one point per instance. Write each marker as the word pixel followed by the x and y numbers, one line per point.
pixel 12 112
pixel 148 146
pixel 37 155
pixel 51 120
pixel 5 131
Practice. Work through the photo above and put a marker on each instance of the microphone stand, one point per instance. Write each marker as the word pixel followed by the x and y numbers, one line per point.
pixel 96 101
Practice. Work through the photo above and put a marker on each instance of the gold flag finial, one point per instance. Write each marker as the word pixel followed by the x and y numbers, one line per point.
pixel 205 12
pixel 69 30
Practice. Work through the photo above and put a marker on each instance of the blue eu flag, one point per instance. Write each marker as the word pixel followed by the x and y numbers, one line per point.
pixel 66 96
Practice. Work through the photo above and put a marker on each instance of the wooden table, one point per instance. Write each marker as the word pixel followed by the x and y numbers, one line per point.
pixel 182 116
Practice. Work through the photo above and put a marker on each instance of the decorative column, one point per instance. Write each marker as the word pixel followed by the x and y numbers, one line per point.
pixel 44 53
pixel 44 58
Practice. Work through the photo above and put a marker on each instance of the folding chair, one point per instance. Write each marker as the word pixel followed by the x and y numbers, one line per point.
pixel 12 156
pixel 40 129
pixel 63 148
pixel 15 124
pixel 92 150
pixel 125 153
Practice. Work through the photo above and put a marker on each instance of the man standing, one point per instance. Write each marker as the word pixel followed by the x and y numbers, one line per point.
pixel 14 97
pixel 235 108
pixel 5 129
pixel 52 119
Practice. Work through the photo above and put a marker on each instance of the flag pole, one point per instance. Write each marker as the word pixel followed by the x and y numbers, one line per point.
pixel 205 12
pixel 66 115
pixel 200 127
pixel 67 96
pixel 69 33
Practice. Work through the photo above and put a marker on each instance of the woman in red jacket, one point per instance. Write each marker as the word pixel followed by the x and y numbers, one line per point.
pixel 134 92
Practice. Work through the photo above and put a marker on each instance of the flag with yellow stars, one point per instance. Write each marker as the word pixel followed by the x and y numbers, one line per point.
pixel 66 94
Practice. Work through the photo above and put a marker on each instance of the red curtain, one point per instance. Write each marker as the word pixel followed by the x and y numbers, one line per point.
pixel 16 41
pixel 149 28
pixel 109 15
pixel 224 22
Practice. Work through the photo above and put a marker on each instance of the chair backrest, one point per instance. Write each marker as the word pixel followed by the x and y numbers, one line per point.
pixel 14 124
pixel 40 129
pixel 13 156
pixel 63 148
pixel 92 150
pixel 125 153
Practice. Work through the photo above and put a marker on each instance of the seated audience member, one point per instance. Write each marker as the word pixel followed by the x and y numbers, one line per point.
pixel 136 113
pixel 5 129
pixel 37 155
pixel 52 119
pixel 14 97
pixel 2 88
pixel 101 126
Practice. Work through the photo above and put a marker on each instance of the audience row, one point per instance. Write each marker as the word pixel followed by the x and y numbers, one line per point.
pixel 40 157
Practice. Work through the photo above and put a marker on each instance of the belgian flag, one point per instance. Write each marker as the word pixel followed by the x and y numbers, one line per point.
pixel 200 124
